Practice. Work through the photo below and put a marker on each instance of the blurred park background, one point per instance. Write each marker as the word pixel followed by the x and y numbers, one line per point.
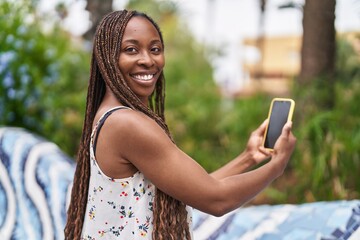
pixel 211 107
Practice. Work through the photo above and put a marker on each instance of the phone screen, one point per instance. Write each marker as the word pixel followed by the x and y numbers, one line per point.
pixel 278 118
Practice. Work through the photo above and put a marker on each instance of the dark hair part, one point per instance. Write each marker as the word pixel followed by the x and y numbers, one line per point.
pixel 170 215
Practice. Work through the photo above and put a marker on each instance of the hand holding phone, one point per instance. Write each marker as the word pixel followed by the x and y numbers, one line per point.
pixel 281 111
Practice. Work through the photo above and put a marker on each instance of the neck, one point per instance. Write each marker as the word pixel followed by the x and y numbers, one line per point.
pixel 110 100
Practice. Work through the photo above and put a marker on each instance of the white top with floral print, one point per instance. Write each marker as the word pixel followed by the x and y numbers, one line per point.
pixel 118 208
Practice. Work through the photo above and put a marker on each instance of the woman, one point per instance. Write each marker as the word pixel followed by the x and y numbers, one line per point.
pixel 131 180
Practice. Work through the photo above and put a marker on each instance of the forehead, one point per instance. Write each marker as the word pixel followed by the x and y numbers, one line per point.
pixel 140 27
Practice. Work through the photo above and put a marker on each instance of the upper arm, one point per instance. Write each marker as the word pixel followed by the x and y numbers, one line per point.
pixel 142 142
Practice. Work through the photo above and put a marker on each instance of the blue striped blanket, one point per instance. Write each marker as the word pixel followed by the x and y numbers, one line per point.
pixel 35 184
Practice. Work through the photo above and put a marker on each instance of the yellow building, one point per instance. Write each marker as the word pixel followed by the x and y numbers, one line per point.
pixel 270 64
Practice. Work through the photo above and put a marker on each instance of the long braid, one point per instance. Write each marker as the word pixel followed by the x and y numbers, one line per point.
pixel 105 70
pixel 77 208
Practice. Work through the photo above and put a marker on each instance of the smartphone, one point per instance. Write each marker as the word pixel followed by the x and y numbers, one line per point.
pixel 281 111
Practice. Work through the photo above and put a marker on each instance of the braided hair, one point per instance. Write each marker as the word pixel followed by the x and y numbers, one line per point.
pixel 105 72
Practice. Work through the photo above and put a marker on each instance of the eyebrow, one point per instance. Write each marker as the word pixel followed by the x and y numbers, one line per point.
pixel 137 42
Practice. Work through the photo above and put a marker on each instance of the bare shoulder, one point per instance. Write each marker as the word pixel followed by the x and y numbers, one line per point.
pixel 128 129
pixel 128 120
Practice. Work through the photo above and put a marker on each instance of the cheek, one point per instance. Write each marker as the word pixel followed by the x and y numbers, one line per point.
pixel 120 64
pixel 161 61
pixel 123 65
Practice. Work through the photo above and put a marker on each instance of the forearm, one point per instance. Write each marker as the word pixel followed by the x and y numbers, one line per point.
pixel 239 165
pixel 236 190
pixel 239 189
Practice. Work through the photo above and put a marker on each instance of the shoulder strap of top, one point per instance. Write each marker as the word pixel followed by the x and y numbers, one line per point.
pixel 100 123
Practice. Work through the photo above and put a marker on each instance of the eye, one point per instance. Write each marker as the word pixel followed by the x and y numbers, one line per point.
pixel 156 50
pixel 130 50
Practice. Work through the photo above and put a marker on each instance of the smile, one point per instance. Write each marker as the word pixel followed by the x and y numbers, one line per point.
pixel 146 77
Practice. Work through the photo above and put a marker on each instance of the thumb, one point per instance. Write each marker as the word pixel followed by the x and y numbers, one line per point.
pixel 261 129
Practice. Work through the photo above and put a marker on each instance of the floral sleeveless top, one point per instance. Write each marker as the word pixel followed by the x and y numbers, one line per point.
pixel 118 208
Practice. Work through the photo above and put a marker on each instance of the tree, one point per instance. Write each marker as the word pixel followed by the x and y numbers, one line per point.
pixel 318 52
pixel 97 9
pixel 319 49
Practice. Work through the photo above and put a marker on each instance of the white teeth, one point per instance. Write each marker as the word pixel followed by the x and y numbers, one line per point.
pixel 144 77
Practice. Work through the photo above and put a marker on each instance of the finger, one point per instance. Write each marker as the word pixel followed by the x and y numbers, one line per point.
pixel 292 137
pixel 261 129
pixel 265 122
pixel 264 151
pixel 289 125
pixel 287 129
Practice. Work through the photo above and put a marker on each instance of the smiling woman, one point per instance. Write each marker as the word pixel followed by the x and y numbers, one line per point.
pixel 142 57
pixel 131 180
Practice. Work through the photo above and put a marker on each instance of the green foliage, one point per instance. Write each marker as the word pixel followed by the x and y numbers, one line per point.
pixel 237 118
pixel 347 63
pixel 327 159
pixel 42 77
pixel 157 9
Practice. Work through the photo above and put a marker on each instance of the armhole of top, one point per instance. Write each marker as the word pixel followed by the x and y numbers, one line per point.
pixel 101 123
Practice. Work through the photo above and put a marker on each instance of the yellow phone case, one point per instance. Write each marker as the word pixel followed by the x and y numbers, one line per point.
pixel 290 114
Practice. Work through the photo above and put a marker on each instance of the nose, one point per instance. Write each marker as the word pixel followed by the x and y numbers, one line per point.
pixel 146 59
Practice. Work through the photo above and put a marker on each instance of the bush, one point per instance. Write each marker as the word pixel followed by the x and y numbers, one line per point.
pixel 43 76
pixel 327 158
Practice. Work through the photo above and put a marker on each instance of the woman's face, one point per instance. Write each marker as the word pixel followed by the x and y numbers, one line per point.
pixel 141 57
